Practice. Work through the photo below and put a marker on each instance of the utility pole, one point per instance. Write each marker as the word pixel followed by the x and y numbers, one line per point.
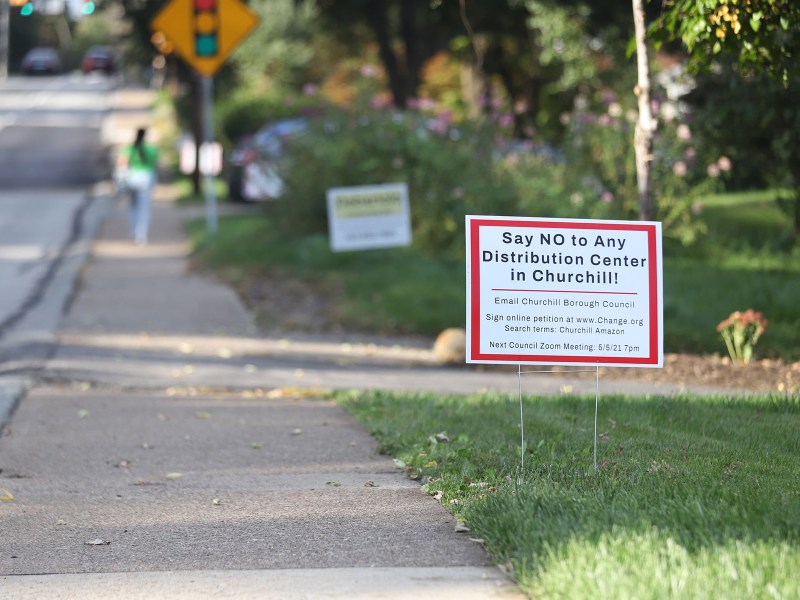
pixel 5 16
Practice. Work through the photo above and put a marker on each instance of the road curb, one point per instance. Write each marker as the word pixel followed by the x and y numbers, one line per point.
pixel 35 328
pixel 12 389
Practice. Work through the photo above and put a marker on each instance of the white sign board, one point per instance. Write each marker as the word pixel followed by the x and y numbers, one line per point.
pixel 564 292
pixel 372 216
pixel 210 157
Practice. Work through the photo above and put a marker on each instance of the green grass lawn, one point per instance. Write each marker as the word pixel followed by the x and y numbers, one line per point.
pixel 695 497
pixel 742 263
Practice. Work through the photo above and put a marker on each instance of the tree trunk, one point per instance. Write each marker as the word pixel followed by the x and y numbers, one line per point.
pixel 376 14
pixel 645 126
pixel 410 30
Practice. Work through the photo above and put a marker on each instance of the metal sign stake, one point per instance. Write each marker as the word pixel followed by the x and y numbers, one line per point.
pixel 520 372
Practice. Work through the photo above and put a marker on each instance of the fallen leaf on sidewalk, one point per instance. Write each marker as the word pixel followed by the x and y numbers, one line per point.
pixel 256 445
pixel 333 483
pixel 6 495
pixel 202 414
pixel 224 353
pixel 174 475
pixel 96 542
pixel 216 502
pixel 297 431
pixel 82 414
pixel 461 527
pixel 370 484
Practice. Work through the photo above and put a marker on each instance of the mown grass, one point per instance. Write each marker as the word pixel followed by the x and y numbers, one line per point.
pixel 743 262
pixel 695 497
pixel 386 291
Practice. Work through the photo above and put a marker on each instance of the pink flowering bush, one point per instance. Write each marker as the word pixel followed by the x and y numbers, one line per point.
pixel 599 175
pixel 741 331
pixel 457 167
pixel 448 168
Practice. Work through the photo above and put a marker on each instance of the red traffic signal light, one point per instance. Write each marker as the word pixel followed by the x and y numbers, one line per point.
pixel 206 28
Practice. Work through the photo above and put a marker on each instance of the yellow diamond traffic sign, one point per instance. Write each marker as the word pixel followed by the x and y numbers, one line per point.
pixel 179 22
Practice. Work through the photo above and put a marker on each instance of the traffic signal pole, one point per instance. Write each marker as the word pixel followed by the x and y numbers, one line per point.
pixel 206 45
pixel 204 40
pixel 207 105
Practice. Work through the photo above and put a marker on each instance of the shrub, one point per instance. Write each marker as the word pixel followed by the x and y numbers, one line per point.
pixel 600 173
pixel 449 171
pixel 472 168
pixel 247 112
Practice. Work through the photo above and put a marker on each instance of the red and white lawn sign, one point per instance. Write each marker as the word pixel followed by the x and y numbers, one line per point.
pixel 564 292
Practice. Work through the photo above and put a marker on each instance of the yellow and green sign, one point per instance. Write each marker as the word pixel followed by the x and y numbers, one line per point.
pixel 205 32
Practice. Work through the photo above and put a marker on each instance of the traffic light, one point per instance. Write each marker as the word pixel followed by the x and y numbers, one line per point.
pixel 27 9
pixel 18 2
pixel 88 7
pixel 206 28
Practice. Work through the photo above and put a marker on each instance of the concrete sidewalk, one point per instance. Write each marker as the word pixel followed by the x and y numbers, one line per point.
pixel 169 451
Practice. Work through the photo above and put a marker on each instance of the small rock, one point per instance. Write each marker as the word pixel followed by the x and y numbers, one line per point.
pixel 451 346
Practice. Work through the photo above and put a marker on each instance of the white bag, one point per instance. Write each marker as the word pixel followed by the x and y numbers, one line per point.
pixel 137 180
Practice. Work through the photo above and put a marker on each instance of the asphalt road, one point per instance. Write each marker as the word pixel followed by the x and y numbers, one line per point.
pixel 52 153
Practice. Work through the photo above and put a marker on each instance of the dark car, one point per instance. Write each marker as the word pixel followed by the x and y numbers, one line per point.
pixel 99 58
pixel 253 167
pixel 41 61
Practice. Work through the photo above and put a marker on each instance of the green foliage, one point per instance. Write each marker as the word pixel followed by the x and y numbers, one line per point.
pixel 761 36
pixel 695 496
pixel 449 171
pixel 563 42
pixel 764 144
pixel 277 53
pixel 246 111
pixel 597 178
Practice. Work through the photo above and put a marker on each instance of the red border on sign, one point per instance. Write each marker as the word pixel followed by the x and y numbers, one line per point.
pixel 475 355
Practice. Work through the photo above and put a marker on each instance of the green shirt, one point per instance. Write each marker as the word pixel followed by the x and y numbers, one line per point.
pixel 150 161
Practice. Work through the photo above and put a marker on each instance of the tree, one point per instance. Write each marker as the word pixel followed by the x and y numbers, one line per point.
pixel 743 41
pixel 764 140
pixel 278 51
pixel 407 33
pixel 763 36
pixel 645 126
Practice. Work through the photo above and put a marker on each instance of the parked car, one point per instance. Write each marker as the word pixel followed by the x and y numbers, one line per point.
pixel 253 165
pixel 99 58
pixel 40 61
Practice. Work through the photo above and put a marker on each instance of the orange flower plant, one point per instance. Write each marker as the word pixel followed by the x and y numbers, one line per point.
pixel 741 331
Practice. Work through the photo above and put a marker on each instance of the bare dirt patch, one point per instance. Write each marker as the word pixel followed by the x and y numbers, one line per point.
pixel 285 303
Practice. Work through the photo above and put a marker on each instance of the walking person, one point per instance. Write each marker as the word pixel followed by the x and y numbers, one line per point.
pixel 140 162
